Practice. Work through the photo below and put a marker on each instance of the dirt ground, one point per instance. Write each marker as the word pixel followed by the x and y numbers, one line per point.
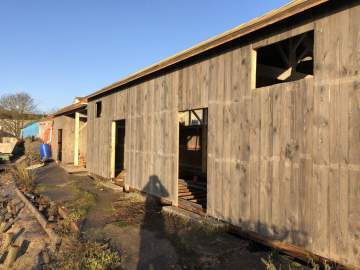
pixel 144 236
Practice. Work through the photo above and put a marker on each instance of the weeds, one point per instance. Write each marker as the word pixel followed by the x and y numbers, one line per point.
pixel 315 266
pixel 23 177
pixel 121 223
pixel 85 255
pixel 32 151
pixel 269 263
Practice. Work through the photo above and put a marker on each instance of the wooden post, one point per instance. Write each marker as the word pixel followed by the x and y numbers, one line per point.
pixel 204 137
pixel 76 138
pixel 253 68
pixel 113 146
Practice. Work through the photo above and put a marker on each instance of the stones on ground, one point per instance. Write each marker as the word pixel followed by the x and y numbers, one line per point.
pixel 9 210
pixel 12 254
pixel 29 196
pixel 7 241
pixel 45 256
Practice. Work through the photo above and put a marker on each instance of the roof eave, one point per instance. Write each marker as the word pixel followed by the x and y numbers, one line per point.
pixel 289 10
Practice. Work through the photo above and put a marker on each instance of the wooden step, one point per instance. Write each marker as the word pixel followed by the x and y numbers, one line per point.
pixel 192 196
pixel 199 202
pixel 184 182
pixel 189 192
pixel 189 197
pixel 194 185
pixel 192 207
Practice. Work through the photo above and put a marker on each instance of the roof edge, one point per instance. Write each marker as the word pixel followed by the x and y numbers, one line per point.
pixel 69 109
pixel 274 16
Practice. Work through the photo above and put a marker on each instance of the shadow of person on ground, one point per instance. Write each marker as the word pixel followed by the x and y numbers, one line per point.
pixel 153 252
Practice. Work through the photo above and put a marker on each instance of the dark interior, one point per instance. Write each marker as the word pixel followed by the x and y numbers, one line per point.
pixel 287 60
pixel 119 146
pixel 192 148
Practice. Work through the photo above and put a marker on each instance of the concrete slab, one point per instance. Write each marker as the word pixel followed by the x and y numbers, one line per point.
pixel 71 169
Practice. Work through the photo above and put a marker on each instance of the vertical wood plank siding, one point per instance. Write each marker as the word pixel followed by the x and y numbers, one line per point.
pixel 283 160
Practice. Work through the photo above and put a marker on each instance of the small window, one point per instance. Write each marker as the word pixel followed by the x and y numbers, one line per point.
pixel 98 109
pixel 284 61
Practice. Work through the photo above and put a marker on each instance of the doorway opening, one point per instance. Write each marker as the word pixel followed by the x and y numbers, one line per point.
pixel 60 140
pixel 193 127
pixel 119 151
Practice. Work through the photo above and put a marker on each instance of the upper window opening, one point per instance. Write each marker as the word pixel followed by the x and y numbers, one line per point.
pixel 98 109
pixel 284 61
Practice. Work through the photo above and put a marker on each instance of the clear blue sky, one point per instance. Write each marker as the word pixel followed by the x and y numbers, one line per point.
pixel 58 49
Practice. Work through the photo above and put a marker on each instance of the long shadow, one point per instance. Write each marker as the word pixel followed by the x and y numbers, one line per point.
pixel 154 186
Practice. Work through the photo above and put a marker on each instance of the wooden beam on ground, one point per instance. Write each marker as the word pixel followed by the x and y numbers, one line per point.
pixel 286 248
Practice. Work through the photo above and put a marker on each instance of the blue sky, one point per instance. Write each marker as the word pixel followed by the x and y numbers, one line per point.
pixel 55 50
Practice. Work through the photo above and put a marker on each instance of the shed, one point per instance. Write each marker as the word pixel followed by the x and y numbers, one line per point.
pixel 69 136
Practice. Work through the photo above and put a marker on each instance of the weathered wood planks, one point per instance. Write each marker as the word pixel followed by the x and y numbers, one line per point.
pixel 283 160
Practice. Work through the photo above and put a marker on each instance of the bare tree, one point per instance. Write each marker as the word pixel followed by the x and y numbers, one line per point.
pixel 15 111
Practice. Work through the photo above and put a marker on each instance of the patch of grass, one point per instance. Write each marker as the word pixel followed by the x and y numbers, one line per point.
pixel 324 265
pixel 40 188
pixel 81 204
pixel 269 263
pixel 135 197
pixel 121 223
pixel 109 209
pixel 185 234
pixel 85 255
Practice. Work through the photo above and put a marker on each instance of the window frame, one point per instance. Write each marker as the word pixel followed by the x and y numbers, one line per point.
pixel 98 109
pixel 271 40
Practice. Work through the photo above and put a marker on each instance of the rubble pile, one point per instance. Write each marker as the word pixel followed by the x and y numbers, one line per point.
pixel 47 208
pixel 10 242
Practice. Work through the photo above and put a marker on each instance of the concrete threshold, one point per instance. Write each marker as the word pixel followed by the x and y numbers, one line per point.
pixel 72 169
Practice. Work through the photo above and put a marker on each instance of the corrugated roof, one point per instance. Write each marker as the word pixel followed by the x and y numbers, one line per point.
pixel 291 9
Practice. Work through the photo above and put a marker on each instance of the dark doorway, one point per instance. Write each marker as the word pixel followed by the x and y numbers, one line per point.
pixel 60 142
pixel 119 148
pixel 193 126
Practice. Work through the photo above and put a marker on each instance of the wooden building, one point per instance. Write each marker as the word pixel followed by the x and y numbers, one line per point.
pixel 69 139
pixel 259 127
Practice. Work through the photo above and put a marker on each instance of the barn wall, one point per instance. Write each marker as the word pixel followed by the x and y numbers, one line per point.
pixel 283 160
pixel 67 124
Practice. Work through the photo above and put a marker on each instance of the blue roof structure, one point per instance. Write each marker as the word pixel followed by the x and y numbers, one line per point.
pixel 30 130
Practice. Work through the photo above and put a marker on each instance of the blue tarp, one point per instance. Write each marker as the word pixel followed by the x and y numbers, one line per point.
pixel 30 130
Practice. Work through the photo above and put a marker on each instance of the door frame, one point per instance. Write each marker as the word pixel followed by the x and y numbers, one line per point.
pixel 113 146
pixel 60 144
